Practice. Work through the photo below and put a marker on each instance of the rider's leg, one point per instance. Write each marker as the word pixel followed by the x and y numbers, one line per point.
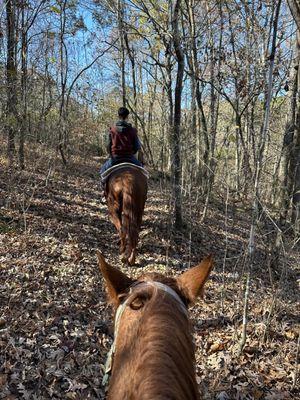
pixel 108 163
pixel 135 161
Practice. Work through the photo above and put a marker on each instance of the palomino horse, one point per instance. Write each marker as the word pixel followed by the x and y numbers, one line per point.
pixel 152 356
pixel 126 194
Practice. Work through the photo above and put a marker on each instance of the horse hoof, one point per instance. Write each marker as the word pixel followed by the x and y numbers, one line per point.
pixel 124 258
pixel 131 260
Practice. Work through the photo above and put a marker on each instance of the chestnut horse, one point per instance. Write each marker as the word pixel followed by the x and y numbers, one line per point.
pixel 126 193
pixel 152 356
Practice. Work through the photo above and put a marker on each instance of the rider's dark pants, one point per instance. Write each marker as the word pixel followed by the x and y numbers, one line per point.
pixel 117 160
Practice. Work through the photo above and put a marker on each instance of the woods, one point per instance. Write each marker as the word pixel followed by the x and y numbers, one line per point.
pixel 213 88
pixel 231 68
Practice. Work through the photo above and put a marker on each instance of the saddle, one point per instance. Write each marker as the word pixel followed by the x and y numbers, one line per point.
pixel 119 167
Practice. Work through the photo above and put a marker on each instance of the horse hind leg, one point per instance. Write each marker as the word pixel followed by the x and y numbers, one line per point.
pixel 132 242
pixel 131 259
pixel 114 213
pixel 134 237
pixel 123 243
pixel 133 207
pixel 116 221
pixel 124 248
pixel 128 256
pixel 128 244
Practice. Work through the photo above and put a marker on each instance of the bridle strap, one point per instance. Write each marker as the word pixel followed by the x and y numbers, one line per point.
pixel 110 355
pixel 119 313
pixel 170 291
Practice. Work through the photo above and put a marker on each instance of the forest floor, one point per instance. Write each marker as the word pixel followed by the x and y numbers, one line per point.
pixel 56 327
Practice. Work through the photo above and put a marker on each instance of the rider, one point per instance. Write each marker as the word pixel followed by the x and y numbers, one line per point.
pixel 123 142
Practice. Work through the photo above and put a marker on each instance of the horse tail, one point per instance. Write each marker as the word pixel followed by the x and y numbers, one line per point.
pixel 130 221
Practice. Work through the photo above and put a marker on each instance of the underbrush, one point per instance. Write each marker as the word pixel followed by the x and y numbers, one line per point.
pixel 55 326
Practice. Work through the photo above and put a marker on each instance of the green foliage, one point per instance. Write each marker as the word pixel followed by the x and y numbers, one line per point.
pixel 55 9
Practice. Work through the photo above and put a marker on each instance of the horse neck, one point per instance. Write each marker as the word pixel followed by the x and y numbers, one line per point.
pixel 157 362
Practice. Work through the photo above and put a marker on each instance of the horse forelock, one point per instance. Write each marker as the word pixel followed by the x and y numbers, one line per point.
pixel 154 277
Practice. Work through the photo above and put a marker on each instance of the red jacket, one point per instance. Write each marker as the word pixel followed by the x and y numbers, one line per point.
pixel 123 140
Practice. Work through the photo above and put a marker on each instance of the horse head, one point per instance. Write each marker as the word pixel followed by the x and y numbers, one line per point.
pixel 152 356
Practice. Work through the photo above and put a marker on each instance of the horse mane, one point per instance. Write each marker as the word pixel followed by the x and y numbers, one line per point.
pixel 155 357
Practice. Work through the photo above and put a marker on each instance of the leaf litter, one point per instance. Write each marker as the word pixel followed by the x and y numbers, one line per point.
pixel 56 327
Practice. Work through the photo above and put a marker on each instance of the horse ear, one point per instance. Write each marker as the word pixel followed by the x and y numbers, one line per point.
pixel 191 282
pixel 116 282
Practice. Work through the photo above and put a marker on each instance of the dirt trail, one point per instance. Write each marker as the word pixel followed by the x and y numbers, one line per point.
pixel 55 327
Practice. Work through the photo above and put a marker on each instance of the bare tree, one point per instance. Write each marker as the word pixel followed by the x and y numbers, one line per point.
pixel 11 76
pixel 291 141
pixel 177 115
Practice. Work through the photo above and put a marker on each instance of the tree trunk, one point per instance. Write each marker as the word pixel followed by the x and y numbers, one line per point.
pixel 11 76
pixel 295 159
pixel 23 129
pixel 177 116
pixel 258 169
pixel 291 141
pixel 194 67
pixel 287 184
pixel 131 55
pixel 62 141
pixel 122 49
